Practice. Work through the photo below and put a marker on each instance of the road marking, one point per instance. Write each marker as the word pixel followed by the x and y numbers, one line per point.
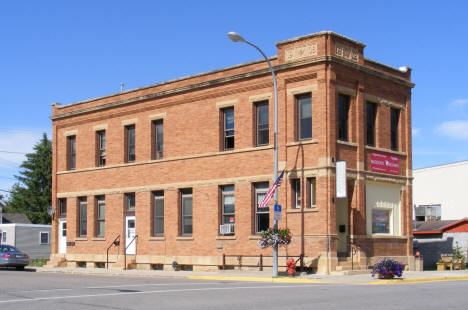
pixel 156 292
pixel 102 287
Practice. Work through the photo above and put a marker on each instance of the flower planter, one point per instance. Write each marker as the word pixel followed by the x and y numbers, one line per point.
pixel 385 276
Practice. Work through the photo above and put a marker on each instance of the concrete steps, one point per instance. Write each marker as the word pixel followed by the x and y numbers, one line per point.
pixel 119 265
pixel 58 260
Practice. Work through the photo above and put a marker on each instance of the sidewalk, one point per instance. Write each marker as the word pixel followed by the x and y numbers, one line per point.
pixel 264 276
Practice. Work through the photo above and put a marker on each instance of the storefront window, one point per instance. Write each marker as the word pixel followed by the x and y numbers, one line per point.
pixel 381 221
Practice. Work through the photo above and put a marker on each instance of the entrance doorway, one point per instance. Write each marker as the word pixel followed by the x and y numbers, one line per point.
pixel 62 236
pixel 130 235
pixel 342 227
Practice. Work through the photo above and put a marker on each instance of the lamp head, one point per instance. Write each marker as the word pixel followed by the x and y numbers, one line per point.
pixel 235 37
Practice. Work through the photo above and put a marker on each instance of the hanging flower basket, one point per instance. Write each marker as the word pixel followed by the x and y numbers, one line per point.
pixel 274 237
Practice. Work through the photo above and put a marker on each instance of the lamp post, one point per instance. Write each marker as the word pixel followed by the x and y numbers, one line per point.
pixel 235 37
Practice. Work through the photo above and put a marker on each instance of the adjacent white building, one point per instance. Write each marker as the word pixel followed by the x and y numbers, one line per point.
pixel 441 192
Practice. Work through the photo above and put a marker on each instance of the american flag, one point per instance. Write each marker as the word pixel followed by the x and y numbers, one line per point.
pixel 271 191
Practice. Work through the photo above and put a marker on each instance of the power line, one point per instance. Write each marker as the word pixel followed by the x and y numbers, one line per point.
pixel 10 152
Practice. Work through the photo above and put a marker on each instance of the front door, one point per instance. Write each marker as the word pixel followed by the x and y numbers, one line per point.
pixel 342 228
pixel 62 236
pixel 130 244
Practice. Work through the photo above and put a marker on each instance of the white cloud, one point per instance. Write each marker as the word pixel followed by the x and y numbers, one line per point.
pixel 459 102
pixel 457 130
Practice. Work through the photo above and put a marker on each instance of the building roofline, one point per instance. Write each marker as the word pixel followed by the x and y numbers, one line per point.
pixel 26 225
pixel 457 163
pixel 384 65
pixel 441 229
pixel 317 34
pixel 187 77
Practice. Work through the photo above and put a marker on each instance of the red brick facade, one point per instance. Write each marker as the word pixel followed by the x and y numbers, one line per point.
pixel 322 65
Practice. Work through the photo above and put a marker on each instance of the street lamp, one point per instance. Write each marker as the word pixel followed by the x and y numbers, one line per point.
pixel 235 37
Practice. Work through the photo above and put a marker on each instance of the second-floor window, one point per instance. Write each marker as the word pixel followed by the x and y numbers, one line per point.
pixel 130 202
pixel 304 116
pixel 228 128
pixel 71 152
pixel 343 108
pixel 101 147
pixel 311 192
pixel 262 136
pixel 158 139
pixel 371 113
pixel 394 119
pixel 130 143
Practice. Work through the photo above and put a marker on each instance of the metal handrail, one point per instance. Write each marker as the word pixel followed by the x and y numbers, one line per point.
pixel 260 263
pixel 116 242
pixel 349 246
pixel 356 243
pixel 125 253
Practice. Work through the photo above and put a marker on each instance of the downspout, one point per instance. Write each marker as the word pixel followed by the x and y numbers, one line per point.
pixel 327 141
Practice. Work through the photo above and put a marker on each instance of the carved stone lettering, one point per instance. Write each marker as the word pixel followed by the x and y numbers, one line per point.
pixel 346 52
pixel 301 51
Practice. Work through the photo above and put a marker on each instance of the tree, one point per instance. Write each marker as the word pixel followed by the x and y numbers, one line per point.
pixel 31 195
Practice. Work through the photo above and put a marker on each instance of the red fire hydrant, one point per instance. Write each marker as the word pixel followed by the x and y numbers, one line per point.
pixel 291 267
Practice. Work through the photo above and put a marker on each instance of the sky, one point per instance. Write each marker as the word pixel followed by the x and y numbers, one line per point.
pixel 68 51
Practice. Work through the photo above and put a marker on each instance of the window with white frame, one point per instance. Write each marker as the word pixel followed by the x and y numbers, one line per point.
pixel 296 193
pixel 311 192
pixel 227 205
pixel 4 236
pixel 44 237
pixel 262 215
pixel 100 216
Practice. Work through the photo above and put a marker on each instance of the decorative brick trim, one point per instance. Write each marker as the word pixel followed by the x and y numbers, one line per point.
pixel 131 121
pixel 302 89
pixel 345 91
pixel 261 97
pixel 379 100
pixel 70 133
pixel 157 116
pixel 225 104
pixel 100 127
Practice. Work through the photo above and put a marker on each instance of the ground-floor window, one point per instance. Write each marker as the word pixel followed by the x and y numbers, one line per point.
pixel 262 215
pixel 186 211
pixel 158 214
pixel 43 237
pixel 383 208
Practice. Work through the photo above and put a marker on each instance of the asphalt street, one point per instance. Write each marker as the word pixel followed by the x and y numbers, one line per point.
pixel 31 290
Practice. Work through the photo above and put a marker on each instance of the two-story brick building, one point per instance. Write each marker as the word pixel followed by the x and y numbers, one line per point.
pixel 171 162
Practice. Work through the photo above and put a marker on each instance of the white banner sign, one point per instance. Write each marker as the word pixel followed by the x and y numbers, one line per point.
pixel 341 179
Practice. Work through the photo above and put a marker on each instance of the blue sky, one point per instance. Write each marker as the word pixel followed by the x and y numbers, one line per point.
pixel 67 51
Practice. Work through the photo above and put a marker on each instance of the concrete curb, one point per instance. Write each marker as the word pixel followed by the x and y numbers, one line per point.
pixel 418 280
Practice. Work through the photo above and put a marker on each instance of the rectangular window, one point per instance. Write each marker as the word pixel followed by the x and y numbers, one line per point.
pixel 63 207
pixel 158 139
pixel 100 216
pixel 296 193
pixel 304 116
pixel 4 237
pixel 394 119
pixel 343 109
pixel 228 128
pixel 101 148
pixel 311 192
pixel 371 113
pixel 71 150
pixel 186 212
pixel 82 205
pixel 262 215
pixel 158 214
pixel 44 237
pixel 130 202
pixel 262 124
pixel 227 205
pixel 130 143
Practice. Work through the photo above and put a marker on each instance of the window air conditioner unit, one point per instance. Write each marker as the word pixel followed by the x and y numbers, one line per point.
pixel 226 229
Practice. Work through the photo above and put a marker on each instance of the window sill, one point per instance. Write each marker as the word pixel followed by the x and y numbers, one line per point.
pixel 231 237
pixel 386 236
pixel 306 210
pixel 182 238
pixel 302 142
pixel 368 147
pixel 254 237
pixel 81 238
pixel 157 238
pixel 98 239
pixel 347 143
